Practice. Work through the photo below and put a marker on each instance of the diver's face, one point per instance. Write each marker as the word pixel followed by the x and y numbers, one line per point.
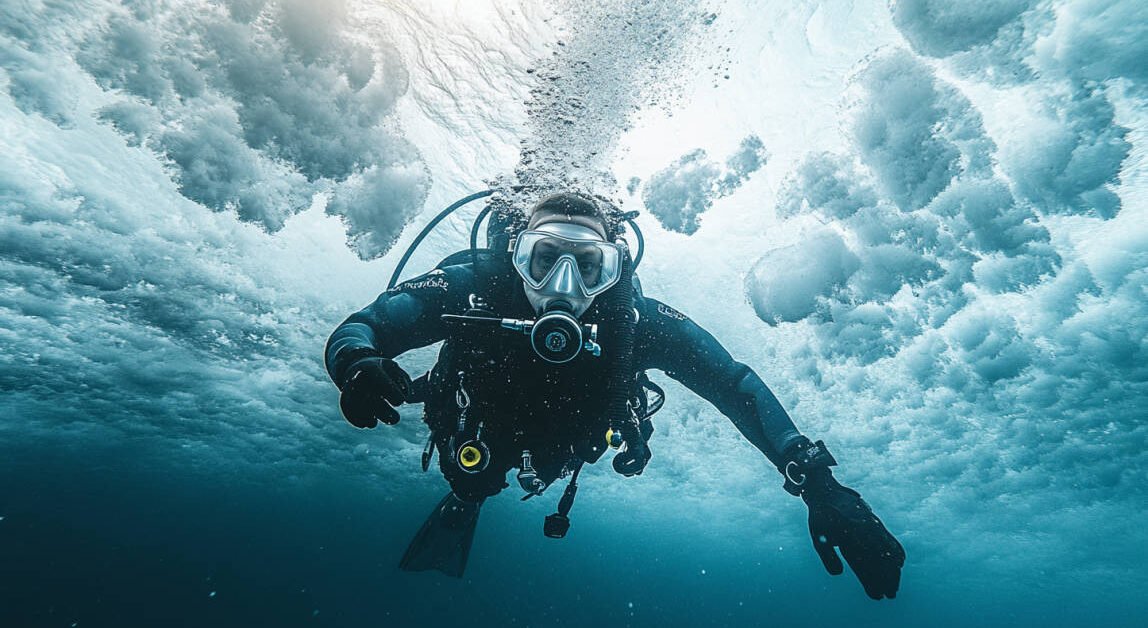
pixel 567 264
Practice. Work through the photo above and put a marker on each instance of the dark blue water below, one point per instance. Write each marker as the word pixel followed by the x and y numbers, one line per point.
pixel 117 538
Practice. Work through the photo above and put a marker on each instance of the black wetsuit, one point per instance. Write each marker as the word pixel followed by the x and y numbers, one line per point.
pixel 557 411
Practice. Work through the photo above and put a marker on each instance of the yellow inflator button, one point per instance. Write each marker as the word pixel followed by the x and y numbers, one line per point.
pixel 469 457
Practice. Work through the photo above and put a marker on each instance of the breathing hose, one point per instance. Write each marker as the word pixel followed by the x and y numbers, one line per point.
pixel 430 227
pixel 620 313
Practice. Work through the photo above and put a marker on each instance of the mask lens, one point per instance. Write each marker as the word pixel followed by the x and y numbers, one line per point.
pixel 586 257
pixel 598 263
pixel 546 254
pixel 589 258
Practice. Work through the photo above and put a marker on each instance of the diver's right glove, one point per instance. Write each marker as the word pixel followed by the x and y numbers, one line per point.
pixel 632 459
pixel 838 517
pixel 373 388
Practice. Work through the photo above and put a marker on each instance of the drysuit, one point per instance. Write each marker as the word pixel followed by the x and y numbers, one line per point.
pixel 555 411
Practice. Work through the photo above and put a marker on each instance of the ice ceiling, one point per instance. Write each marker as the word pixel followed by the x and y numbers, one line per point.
pixel 924 223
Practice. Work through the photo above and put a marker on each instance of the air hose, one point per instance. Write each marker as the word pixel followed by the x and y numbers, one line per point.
pixel 620 384
pixel 430 227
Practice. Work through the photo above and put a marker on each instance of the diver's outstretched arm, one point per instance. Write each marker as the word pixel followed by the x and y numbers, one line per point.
pixel 403 318
pixel 359 354
pixel 669 341
pixel 838 517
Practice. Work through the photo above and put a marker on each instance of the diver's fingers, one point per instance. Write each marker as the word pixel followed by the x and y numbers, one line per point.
pixel 894 583
pixel 633 458
pixel 355 412
pixel 394 396
pixel 871 574
pixel 367 411
pixel 877 566
pixel 396 393
pixel 627 464
pixel 400 387
pixel 386 414
pixel 824 548
pixel 880 577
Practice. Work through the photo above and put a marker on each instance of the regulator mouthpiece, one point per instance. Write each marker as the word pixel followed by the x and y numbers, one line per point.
pixel 557 337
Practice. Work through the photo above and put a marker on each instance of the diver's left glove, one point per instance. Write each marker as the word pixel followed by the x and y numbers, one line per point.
pixel 373 388
pixel 636 454
pixel 838 517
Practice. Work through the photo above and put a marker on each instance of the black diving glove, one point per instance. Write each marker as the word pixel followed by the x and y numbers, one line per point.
pixel 374 387
pixel 636 454
pixel 838 517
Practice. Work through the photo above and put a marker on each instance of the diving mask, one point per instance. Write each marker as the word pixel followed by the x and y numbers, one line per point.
pixel 565 263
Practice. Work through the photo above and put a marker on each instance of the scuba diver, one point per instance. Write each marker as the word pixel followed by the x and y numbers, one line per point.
pixel 547 340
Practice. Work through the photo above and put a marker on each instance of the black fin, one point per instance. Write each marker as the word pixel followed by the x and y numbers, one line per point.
pixel 443 542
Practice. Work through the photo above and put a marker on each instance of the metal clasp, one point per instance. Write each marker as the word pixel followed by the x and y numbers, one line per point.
pixel 789 475
pixel 461 397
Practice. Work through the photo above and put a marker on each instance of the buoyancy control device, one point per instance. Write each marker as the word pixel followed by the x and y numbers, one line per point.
pixel 556 337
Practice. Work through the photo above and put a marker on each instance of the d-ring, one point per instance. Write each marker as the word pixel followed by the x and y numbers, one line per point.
pixel 789 476
pixel 461 397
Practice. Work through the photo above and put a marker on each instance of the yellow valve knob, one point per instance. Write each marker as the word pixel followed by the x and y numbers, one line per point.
pixel 470 457
pixel 613 439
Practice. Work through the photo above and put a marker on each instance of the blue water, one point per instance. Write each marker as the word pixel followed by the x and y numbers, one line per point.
pixel 925 225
